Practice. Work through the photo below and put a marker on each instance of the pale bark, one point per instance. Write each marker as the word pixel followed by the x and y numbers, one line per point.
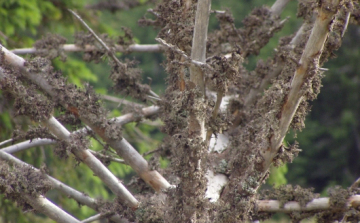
pixel 134 48
pixel 121 101
pixel 6 142
pixel 94 164
pixel 131 117
pixel 314 205
pixel 27 144
pixel 57 129
pixel 310 57
pixel 46 207
pixel 65 189
pixel 122 147
pixel 278 7
pixel 196 63
pixel 70 192
pixel 276 69
pixel 198 53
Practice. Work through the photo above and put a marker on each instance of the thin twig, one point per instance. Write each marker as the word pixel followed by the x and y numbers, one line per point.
pixel 346 24
pixel 154 98
pixel 6 142
pixel 153 12
pixel 93 135
pixel 152 151
pixel 217 11
pixel 27 144
pixel 99 155
pixel 144 137
pixel 120 100
pixel 355 184
pixel 110 52
pixel 219 97
pixel 155 123
pixel 140 48
pixel 182 53
pixel 96 217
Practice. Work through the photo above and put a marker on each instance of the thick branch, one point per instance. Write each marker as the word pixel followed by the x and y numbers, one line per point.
pixel 134 48
pixel 198 53
pixel 309 60
pixel 94 164
pixel 46 207
pixel 198 50
pixel 314 205
pixel 199 64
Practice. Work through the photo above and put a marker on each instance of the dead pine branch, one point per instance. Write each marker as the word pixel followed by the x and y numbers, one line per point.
pixel 134 48
pixel 316 204
pixel 57 129
pixel 308 65
pixel 108 50
pixel 120 145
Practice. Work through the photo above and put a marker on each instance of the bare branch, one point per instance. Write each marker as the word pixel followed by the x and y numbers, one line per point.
pixel 121 101
pixel 198 49
pixel 199 64
pixel 94 164
pixel 93 218
pixel 27 144
pixel 85 156
pixel 134 48
pixel 46 207
pixel 348 14
pixel 109 51
pixel 6 142
pixel 217 11
pixel 110 158
pixel 355 184
pixel 219 97
pixel 276 68
pixel 152 151
pixel 316 204
pixel 309 58
pixel 278 7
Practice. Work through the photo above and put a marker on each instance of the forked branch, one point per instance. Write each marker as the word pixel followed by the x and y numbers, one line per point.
pixel 308 65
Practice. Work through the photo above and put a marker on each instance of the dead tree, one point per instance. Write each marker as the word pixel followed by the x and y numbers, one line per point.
pixel 225 127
